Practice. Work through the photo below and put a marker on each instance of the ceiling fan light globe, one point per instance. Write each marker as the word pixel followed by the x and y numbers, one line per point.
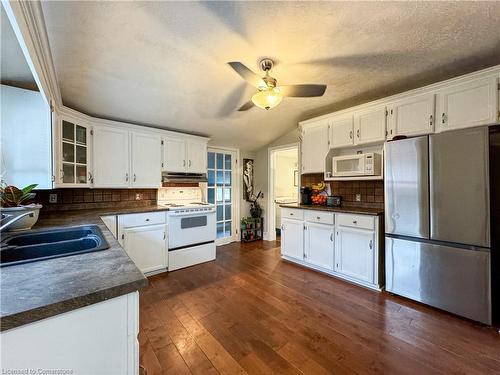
pixel 267 99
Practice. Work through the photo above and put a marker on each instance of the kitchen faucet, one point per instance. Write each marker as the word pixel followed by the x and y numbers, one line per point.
pixel 12 221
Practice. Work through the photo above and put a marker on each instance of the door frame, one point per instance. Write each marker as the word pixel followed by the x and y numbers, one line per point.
pixel 235 198
pixel 270 235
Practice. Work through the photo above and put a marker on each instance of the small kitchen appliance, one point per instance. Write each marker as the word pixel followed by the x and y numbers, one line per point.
pixel 305 195
pixel 367 164
pixel 333 201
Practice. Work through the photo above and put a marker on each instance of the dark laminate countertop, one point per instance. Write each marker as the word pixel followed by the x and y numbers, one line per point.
pixel 346 210
pixel 38 290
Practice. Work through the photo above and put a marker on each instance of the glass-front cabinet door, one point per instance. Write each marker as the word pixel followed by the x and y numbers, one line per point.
pixel 74 154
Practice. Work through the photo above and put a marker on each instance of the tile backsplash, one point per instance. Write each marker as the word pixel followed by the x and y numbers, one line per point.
pixel 77 199
pixel 370 191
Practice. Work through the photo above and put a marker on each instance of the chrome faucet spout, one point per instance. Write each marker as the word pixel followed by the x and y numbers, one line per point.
pixel 17 218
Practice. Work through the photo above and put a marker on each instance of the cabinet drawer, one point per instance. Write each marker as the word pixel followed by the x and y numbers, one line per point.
pixel 356 221
pixel 146 218
pixel 292 213
pixel 319 217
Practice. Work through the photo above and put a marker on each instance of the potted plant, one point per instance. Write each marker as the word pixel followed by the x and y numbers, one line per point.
pixel 15 202
pixel 255 208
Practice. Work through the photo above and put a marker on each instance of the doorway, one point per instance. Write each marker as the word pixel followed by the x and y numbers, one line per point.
pixel 284 184
pixel 223 191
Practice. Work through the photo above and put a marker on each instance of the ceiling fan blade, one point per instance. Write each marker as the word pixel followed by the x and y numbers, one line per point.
pixel 301 91
pixel 245 107
pixel 249 76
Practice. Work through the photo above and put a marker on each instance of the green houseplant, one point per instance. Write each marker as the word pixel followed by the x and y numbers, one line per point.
pixel 15 202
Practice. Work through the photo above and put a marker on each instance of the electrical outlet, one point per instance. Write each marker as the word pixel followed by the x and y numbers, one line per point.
pixel 358 197
pixel 52 198
pixel 138 196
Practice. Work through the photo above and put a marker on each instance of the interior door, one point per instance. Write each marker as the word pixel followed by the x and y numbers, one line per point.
pixel 146 160
pixel 319 245
pixel 146 246
pixel 412 116
pixel 341 131
pixel 197 161
pixel 174 155
pixel 407 187
pixel 369 125
pixel 292 238
pixel 354 253
pixel 459 186
pixel 111 157
pixel 469 104
pixel 314 148
pixel 221 176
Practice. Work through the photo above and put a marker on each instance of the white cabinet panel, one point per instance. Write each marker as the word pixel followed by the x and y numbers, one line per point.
pixel 147 246
pixel 146 160
pixel 314 148
pixel 369 125
pixel 319 244
pixel 341 131
pixel 174 155
pixel 292 238
pixel 412 116
pixel 196 157
pixel 111 157
pixel 468 104
pixel 354 253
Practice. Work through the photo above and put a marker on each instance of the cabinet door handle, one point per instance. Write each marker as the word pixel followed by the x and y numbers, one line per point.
pixel 282 227
pixel 305 228
pixel 62 175
pixel 135 177
pixel 126 177
pixel 357 133
pixel 164 235
pixel 354 222
pixel 443 118
pixel 183 163
pixel 350 134
pixel 91 179
pixel 371 245
pixel 331 236
pixel 318 218
pixel 431 118
pixel 190 163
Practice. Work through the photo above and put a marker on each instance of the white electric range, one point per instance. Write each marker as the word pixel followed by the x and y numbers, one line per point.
pixel 191 226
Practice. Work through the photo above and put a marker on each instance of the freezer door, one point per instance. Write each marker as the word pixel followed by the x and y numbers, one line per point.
pixel 452 279
pixel 459 187
pixel 407 187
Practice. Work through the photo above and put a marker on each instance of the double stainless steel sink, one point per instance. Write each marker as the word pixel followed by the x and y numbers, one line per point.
pixel 40 245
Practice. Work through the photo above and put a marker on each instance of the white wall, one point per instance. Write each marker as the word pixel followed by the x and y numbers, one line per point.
pixel 26 156
pixel 285 166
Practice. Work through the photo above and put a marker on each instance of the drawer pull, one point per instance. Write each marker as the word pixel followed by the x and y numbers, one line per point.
pixel 147 219
pixel 371 245
pixel 291 213
pixel 317 217
pixel 354 222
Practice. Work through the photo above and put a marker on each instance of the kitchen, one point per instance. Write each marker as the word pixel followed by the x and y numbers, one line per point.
pixel 129 256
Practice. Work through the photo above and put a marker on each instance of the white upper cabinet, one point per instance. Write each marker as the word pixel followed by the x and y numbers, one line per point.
pixel 174 155
pixel 111 155
pixel 74 150
pixel 146 160
pixel 318 245
pixel 471 103
pixel 411 116
pixel 314 147
pixel 196 156
pixel 369 125
pixel 341 131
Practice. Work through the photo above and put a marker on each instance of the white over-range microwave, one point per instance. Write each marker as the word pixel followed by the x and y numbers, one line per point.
pixel 369 164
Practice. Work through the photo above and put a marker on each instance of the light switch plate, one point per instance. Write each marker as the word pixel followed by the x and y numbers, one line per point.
pixel 358 197
pixel 52 198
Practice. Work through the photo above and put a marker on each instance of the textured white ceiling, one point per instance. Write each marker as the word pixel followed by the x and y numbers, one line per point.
pixel 164 63
pixel 14 70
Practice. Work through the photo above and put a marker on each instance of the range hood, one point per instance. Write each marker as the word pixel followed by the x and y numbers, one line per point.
pixel 178 177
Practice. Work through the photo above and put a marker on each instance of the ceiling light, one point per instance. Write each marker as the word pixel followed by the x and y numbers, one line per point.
pixel 267 99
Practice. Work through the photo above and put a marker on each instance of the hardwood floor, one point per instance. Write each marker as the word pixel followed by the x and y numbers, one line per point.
pixel 250 312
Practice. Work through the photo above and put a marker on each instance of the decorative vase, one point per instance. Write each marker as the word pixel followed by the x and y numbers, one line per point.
pixel 26 222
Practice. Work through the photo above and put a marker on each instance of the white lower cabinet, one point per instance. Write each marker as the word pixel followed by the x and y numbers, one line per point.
pixel 319 245
pixel 354 253
pixel 97 339
pixel 343 245
pixel 292 238
pixel 147 247
pixel 143 236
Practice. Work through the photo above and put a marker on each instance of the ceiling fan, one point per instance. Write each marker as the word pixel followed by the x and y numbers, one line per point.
pixel 270 95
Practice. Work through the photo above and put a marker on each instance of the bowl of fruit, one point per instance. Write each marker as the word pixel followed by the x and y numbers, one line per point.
pixel 319 199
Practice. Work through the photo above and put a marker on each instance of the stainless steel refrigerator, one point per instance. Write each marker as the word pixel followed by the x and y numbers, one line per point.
pixel 437 221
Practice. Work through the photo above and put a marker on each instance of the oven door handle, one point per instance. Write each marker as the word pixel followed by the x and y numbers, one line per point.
pixel 184 214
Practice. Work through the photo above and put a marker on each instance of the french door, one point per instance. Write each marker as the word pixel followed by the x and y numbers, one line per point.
pixel 221 191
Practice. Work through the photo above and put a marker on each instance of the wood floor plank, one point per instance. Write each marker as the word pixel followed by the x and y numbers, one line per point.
pixel 251 312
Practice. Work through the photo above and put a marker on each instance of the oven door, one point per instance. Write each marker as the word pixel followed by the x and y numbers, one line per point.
pixel 186 229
